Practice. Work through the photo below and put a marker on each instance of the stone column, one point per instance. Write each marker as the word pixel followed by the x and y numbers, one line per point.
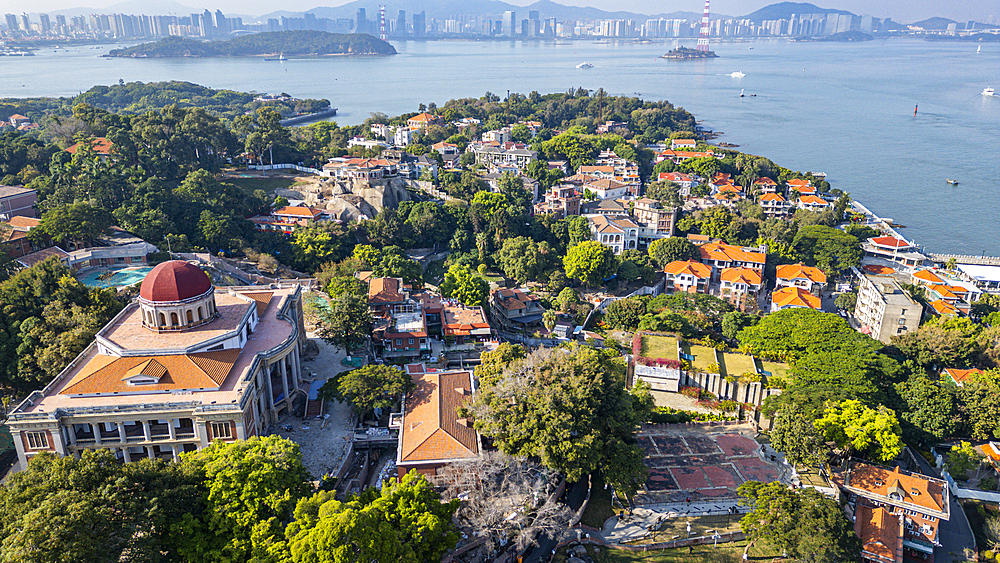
pixel 97 432
pixel 121 432
pixel 176 453
pixel 284 378
pixel 202 433
pixel 145 430
pixel 149 452
pixel 171 429
pixel 72 434
pixel 127 454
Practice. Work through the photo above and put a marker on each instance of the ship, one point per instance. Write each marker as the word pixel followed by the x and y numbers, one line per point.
pixel 584 65
pixel 988 91
pixel 686 54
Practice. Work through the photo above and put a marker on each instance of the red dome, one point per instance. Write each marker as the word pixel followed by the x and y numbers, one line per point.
pixel 174 280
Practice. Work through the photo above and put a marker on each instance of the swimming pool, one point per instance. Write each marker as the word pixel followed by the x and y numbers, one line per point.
pixel 120 278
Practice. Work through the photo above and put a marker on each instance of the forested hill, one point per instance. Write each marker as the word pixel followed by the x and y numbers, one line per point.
pixel 268 43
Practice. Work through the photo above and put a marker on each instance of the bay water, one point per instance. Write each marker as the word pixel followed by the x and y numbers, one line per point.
pixel 846 109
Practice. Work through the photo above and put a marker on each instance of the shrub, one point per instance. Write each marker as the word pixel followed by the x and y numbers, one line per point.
pixel 713 368
pixel 691 392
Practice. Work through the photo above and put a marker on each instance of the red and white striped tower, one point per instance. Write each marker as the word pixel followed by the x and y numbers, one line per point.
pixel 703 36
pixel 381 32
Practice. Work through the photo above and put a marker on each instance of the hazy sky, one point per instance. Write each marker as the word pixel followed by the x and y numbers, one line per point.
pixel 899 10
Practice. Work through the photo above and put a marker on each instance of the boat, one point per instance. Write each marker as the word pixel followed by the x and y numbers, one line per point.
pixel 979 49
pixel 584 65
pixel 280 57
pixel 737 74
pixel 952 182
pixel 742 95
pixel 988 91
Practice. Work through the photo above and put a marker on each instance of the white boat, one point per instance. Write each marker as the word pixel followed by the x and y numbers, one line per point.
pixel 988 91
pixel 584 65
pixel 742 95
pixel 737 74
pixel 979 49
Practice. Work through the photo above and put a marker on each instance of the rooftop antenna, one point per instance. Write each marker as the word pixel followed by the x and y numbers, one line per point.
pixel 703 36
pixel 381 32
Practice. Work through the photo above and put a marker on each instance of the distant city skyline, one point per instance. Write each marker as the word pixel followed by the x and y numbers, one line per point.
pixel 898 10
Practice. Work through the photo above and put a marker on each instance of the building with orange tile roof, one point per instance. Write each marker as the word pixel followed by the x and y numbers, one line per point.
pixel 432 433
pixel 737 283
pixel 687 276
pixel 813 203
pixel 765 185
pixel 14 238
pixel 810 278
pixel 100 146
pixel 960 376
pixel 180 367
pixel 683 144
pixel 678 157
pixel 513 310
pixel 720 255
pixel 794 298
pixel 926 277
pixel 422 120
pixel 913 502
pixel 774 205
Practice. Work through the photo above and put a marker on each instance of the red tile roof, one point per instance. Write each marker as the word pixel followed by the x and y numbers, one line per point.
pixel 960 376
pixel 110 374
pixel 741 275
pixel 913 489
pixel 800 271
pixel 298 211
pixel 795 297
pixel 890 242
pixel 174 280
pixel 385 290
pixel 100 145
pixel 432 429
pixel 728 253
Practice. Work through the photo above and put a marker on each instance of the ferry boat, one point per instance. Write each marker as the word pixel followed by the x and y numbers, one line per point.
pixel 737 74
pixel 988 91
pixel 584 65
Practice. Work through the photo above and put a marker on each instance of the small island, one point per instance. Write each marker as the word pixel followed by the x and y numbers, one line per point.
pixel 847 37
pixel 296 43
pixel 685 54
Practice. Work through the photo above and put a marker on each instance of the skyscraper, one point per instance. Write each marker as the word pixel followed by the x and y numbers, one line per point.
pixel 207 27
pixel 25 23
pixel 509 23
pixel 361 22
pixel 419 24
pixel 44 25
pixel 11 22
pixel 401 23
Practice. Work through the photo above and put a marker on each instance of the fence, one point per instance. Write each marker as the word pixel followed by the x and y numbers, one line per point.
pixel 959 491
pixel 267 167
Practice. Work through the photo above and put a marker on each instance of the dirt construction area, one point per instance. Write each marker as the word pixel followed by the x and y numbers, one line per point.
pixel 323 441
pixel 691 464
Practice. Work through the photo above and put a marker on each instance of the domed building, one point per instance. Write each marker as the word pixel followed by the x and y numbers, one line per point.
pixel 184 364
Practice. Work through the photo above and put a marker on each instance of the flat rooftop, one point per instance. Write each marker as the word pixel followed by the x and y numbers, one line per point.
pixel 270 332
pixel 128 333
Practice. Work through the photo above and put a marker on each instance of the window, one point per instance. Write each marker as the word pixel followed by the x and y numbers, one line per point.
pixel 399 342
pixel 411 341
pixel 222 430
pixel 37 440
pixel 902 321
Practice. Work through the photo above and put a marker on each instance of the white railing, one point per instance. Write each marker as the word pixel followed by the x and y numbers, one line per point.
pixel 265 167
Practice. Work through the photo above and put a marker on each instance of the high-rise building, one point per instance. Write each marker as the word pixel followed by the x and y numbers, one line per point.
pixel 61 23
pixel 208 28
pixel 25 23
pixel 361 22
pixel 221 23
pixel 419 24
pixel 11 20
pixel 401 23
pixel 533 15
pixel 509 23
pixel 44 25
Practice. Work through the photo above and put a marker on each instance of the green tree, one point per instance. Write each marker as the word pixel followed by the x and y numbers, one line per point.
pixel 667 193
pixel 495 361
pixel 980 404
pixel 373 386
pixel 461 283
pixel 522 259
pixel 827 248
pixel 570 408
pixel 846 301
pixel 963 459
pixel 804 523
pixel 401 523
pixel 666 250
pixel 345 321
pixel 625 313
pixel 874 432
pixel 930 407
pixel 795 436
pixel 590 262
pixel 735 321
pixel 251 489
pixel 80 223
pixel 92 508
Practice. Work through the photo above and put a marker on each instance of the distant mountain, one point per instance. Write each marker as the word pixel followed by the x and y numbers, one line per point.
pixel 784 10
pixel 448 8
pixel 935 23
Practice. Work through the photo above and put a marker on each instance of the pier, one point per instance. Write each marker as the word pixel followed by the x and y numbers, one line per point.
pixel 966 259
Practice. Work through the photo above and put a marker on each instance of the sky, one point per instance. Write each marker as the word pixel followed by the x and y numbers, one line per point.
pixel 898 10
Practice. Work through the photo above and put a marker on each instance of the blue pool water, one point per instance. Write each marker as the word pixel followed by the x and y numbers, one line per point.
pixel 121 278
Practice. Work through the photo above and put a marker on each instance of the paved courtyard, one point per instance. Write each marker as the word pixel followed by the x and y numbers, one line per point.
pixel 698 464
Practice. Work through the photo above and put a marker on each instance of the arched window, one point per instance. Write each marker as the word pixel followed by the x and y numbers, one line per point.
pixel 190 316
pixel 163 320
pixel 174 320
pixel 200 315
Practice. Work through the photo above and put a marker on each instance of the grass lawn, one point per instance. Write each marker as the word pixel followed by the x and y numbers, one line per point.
pixel 703 356
pixel 676 528
pixel 250 185
pixel 659 347
pixel 724 553
pixel 736 364
pixel 599 508
pixel 776 369
pixel 810 476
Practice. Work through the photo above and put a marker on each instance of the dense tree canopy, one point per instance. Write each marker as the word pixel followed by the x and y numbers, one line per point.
pixel 590 262
pixel 874 432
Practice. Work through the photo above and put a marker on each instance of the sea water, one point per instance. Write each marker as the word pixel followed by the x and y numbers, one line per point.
pixel 845 109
